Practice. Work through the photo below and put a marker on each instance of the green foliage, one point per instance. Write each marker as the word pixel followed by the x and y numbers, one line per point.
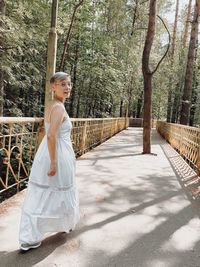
pixel 104 57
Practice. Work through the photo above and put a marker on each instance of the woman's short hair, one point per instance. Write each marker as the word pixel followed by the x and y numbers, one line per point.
pixel 59 76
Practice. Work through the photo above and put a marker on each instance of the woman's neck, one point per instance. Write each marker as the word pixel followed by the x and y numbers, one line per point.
pixel 56 99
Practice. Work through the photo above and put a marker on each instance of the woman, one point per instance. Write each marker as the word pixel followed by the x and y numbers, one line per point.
pixel 51 203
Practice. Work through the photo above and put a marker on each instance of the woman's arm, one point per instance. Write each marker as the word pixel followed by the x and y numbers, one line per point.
pixel 56 119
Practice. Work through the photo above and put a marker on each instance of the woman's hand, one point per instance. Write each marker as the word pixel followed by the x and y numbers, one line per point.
pixel 52 170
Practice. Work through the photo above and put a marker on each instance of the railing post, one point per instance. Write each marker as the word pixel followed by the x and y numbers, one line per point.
pixel 127 122
pixel 116 125
pixel 181 142
pixel 124 123
pixel 198 160
pixel 82 148
pixel 111 129
pixel 102 129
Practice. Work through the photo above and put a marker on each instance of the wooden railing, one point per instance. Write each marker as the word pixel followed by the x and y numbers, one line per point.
pixel 20 137
pixel 185 139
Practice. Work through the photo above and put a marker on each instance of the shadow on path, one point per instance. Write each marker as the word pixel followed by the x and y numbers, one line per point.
pixel 31 257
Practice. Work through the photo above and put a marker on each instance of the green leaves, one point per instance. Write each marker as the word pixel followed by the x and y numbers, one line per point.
pixel 104 57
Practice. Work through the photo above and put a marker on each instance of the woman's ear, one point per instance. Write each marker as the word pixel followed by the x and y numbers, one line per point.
pixel 53 88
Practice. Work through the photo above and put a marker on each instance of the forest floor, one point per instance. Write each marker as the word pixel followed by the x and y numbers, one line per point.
pixel 134 213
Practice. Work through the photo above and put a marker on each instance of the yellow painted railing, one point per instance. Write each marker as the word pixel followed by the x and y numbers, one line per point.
pixel 185 139
pixel 20 137
pixel 87 133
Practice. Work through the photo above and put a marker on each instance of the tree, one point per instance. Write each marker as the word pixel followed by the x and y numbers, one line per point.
pixel 174 37
pixel 2 13
pixel 187 21
pixel 148 74
pixel 186 98
pixel 66 44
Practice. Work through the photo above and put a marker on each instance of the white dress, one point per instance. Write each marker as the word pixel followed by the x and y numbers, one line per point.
pixel 51 203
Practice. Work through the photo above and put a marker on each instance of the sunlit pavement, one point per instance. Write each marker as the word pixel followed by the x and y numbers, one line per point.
pixel 133 213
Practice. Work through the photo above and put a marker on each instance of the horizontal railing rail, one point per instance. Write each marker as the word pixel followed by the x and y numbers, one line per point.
pixel 20 137
pixel 185 139
pixel 138 122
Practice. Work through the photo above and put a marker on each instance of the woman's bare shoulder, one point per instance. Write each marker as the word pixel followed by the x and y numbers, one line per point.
pixel 53 107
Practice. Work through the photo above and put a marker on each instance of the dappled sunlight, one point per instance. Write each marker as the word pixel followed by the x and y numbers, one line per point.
pixel 138 204
pixel 184 238
pixel 134 213
pixel 171 262
pixel 174 205
pixel 171 206
pixel 105 233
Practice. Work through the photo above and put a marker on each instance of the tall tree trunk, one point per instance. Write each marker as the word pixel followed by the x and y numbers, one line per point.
pixel 148 74
pixel 187 21
pixel 169 105
pixel 185 109
pixel 148 78
pixel 175 30
pixel 74 91
pixel 2 12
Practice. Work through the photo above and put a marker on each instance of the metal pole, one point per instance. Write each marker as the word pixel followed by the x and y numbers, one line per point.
pixel 51 52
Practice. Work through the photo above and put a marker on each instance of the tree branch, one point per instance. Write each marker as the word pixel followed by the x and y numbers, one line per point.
pixel 134 16
pixel 144 2
pixel 167 46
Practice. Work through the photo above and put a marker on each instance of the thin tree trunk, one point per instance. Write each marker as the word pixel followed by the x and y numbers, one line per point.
pixel 78 106
pixel 194 96
pixel 121 108
pixel 185 109
pixel 134 16
pixel 169 103
pixel 187 21
pixel 66 45
pixel 174 37
pixel 139 106
pixel 194 106
pixel 2 12
pixel 1 93
pixel 176 102
pixel 74 91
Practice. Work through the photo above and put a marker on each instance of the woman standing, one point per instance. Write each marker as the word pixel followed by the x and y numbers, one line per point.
pixel 51 202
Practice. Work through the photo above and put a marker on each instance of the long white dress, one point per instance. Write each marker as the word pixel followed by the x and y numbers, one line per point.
pixel 51 203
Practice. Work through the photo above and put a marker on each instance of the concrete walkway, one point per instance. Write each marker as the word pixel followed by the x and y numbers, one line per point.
pixel 133 213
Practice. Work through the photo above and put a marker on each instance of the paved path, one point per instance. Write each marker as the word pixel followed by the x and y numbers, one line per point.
pixel 133 213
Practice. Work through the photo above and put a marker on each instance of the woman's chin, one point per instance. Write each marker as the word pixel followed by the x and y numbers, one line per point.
pixel 67 96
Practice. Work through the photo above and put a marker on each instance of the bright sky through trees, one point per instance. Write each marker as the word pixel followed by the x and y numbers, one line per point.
pixel 171 12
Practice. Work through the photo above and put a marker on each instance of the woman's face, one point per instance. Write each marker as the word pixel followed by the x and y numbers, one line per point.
pixel 62 89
